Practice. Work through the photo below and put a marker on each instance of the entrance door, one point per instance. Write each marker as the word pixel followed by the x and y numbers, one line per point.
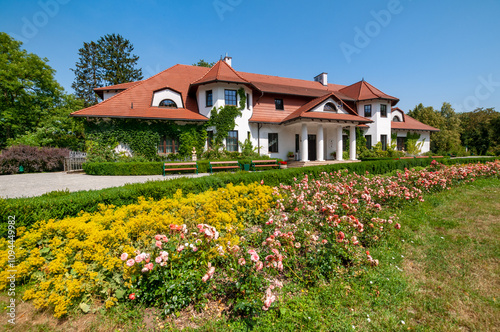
pixel 311 146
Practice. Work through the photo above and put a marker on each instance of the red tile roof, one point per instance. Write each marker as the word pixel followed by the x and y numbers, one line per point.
pixel 135 102
pixel 365 91
pixel 304 112
pixel 221 72
pixel 410 123
pixel 120 87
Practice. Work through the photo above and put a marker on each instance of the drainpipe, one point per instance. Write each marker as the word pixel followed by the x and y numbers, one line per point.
pixel 259 125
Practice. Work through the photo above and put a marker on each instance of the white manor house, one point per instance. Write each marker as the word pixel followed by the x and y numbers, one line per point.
pixel 312 119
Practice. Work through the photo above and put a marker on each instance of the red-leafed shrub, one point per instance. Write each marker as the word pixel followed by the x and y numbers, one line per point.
pixel 33 159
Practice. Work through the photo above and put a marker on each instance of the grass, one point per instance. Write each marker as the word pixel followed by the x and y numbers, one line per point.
pixel 440 273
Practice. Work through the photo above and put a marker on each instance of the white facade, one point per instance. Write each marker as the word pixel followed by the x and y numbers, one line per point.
pixel 175 96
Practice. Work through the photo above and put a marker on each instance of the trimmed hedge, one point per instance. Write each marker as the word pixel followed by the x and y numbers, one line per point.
pixel 149 168
pixel 28 210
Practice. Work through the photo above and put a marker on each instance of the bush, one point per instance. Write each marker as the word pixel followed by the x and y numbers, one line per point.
pixel 33 159
pixel 30 210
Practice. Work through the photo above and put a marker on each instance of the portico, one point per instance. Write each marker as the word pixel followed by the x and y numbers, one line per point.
pixel 319 140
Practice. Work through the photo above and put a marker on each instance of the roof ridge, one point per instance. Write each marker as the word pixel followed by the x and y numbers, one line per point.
pixel 369 86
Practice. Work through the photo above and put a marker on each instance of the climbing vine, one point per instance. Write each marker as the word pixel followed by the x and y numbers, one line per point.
pixel 223 119
pixel 141 136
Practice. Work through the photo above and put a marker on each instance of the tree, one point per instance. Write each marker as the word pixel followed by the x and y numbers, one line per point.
pixel 58 130
pixel 89 74
pixel 28 91
pixel 117 61
pixel 447 140
pixel 480 130
pixel 109 61
pixel 203 63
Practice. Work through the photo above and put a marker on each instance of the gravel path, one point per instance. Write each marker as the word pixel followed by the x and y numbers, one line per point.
pixel 36 184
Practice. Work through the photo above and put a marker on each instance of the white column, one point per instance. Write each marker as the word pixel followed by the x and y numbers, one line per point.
pixel 352 143
pixel 321 144
pixel 339 143
pixel 305 147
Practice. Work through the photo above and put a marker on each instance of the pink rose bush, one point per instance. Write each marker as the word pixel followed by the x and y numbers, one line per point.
pixel 316 227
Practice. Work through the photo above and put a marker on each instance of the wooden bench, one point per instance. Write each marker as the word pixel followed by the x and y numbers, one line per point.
pixel 264 163
pixel 223 165
pixel 168 167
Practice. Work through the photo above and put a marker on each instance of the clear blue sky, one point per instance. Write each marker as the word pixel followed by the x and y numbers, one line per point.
pixel 421 51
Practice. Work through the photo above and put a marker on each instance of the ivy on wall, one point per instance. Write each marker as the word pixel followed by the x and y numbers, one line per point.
pixel 142 136
pixel 223 119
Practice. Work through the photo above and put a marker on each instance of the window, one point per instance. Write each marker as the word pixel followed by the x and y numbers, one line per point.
pixel 279 104
pixel 330 107
pixel 209 98
pixel 401 141
pixel 230 97
pixel 232 141
pixel 297 143
pixel 396 119
pixel 248 101
pixel 368 141
pixel 273 142
pixel 168 145
pixel 368 110
pixel 383 111
pixel 210 138
pixel 168 103
pixel 383 139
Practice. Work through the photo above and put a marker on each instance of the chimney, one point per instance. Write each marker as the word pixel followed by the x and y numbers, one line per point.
pixel 228 59
pixel 322 78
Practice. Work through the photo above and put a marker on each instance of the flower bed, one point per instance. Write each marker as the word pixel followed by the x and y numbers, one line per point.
pixel 240 243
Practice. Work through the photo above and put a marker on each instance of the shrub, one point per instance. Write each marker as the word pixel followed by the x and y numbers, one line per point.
pixel 30 210
pixel 33 159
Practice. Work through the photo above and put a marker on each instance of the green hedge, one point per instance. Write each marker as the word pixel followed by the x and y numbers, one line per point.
pixel 29 210
pixel 141 168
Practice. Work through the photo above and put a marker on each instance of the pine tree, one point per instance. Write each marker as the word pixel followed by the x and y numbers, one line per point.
pixel 88 74
pixel 117 60
pixel 109 61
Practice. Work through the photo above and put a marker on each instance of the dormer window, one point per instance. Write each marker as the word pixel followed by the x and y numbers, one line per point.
pixel 168 103
pixel 396 119
pixel 278 103
pixel 330 107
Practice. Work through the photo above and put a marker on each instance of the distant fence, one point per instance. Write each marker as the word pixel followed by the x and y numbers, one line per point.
pixel 75 161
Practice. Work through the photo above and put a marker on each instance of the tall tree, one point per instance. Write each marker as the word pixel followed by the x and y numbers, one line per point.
pixel 447 140
pixel 28 90
pixel 88 74
pixel 109 61
pixel 117 61
pixel 480 129
pixel 203 63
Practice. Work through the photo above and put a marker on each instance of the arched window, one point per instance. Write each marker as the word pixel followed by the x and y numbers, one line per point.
pixel 168 103
pixel 396 119
pixel 330 107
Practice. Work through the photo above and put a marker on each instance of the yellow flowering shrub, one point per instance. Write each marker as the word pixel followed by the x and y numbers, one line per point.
pixel 77 259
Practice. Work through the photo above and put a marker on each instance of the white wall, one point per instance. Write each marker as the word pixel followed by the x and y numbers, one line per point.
pixel 425 138
pixel 242 125
pixel 158 96
pixel 381 125
pixel 321 106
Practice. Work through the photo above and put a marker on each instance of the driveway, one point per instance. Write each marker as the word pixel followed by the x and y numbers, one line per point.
pixel 36 184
